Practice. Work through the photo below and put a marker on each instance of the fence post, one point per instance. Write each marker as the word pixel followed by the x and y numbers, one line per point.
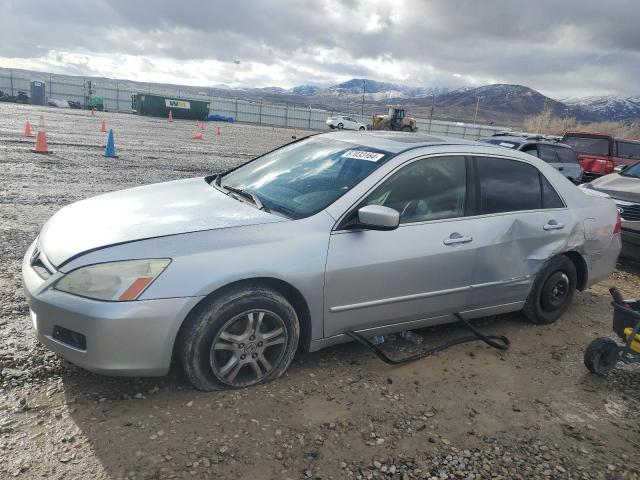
pixel 11 80
pixel 117 95
pixel 286 116
pixel 50 87
pixel 260 114
pixel 309 116
pixel 236 119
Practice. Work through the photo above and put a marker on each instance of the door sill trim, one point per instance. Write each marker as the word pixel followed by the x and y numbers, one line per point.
pixel 420 296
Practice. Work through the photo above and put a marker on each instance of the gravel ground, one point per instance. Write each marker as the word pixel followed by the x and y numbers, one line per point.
pixel 470 412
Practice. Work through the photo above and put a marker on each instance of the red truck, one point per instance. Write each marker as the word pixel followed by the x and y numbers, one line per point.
pixel 600 154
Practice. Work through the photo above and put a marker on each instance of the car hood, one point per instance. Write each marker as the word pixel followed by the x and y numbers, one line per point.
pixel 618 186
pixel 144 212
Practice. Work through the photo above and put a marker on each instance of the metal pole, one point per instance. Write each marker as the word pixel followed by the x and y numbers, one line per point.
pixel 260 115
pixel 286 116
pixel 433 102
pixel 50 87
pixel 364 82
pixel 11 80
pixel 475 115
pixel 236 119
pixel 309 116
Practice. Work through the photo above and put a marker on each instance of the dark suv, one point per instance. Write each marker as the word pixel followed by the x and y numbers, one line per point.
pixel 560 156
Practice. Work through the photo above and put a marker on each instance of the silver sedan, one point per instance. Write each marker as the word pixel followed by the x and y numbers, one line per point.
pixel 340 232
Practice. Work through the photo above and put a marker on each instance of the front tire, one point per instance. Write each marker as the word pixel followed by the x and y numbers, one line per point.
pixel 340 126
pixel 552 291
pixel 362 129
pixel 241 338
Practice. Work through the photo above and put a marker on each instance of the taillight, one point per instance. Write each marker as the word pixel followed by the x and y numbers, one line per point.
pixel 610 166
pixel 618 227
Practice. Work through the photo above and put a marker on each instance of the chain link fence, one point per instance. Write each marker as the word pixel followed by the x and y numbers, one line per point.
pixel 116 95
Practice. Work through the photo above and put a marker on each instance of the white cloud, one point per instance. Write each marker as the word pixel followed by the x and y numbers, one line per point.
pixel 561 48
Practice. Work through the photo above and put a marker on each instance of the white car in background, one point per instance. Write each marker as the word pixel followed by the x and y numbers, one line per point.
pixel 348 123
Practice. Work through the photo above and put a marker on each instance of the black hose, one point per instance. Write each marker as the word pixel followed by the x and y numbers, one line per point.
pixel 500 342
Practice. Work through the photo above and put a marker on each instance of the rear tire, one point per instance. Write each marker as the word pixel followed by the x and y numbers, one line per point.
pixel 601 356
pixel 340 126
pixel 552 291
pixel 241 338
pixel 362 129
pixel 407 128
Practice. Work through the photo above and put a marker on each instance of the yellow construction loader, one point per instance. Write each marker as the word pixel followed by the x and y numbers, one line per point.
pixel 394 120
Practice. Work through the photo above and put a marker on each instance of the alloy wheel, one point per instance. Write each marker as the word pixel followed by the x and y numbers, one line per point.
pixel 248 348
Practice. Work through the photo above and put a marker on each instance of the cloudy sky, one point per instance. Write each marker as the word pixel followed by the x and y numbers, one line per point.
pixel 560 47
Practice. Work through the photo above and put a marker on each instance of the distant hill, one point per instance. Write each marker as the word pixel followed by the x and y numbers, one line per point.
pixel 605 107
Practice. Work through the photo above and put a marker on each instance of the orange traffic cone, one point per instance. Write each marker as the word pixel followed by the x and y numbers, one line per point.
pixel 218 131
pixel 93 112
pixel 41 139
pixel 170 116
pixel 201 124
pixel 27 130
pixel 197 136
pixel 103 128
pixel 295 134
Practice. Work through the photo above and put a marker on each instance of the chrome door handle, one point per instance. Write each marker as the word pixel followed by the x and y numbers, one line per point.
pixel 455 238
pixel 553 225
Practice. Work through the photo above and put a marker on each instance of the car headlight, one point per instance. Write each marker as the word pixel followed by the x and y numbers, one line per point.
pixel 115 281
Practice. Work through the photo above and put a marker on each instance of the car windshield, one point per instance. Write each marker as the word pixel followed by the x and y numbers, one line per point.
pixel 632 171
pixel 305 177
pixel 502 142
pixel 588 145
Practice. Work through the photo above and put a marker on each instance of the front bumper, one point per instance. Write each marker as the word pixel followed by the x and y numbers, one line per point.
pixel 122 338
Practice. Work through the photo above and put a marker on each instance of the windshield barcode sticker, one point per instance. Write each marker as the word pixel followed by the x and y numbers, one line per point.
pixel 363 155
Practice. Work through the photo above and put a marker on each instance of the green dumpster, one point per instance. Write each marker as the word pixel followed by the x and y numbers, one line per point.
pixel 159 106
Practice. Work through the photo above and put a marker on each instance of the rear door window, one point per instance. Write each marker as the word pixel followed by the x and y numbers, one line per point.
pixel 628 149
pixel 507 185
pixel 566 155
pixel 547 153
pixel 550 198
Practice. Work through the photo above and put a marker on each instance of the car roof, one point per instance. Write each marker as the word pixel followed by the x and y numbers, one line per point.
pixel 396 142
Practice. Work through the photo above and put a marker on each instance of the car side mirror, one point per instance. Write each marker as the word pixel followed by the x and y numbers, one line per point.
pixel 377 217
pixel 620 168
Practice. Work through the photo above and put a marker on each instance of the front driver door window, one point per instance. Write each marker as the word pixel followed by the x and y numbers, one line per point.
pixel 421 270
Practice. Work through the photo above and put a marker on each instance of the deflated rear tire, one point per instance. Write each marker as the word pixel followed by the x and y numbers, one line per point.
pixel 241 338
pixel 552 292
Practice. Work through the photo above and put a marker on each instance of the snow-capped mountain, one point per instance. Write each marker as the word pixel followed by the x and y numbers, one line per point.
pixel 607 107
pixel 373 90
pixel 502 97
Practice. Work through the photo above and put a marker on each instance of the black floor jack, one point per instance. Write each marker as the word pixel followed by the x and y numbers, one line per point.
pixel 500 342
